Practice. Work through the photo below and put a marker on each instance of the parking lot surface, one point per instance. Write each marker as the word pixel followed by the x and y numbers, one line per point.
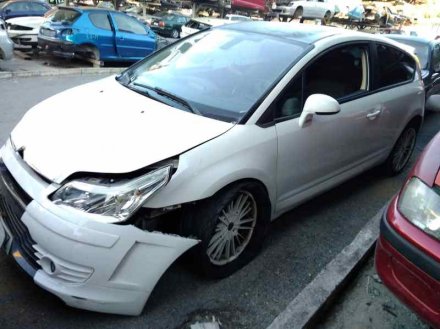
pixel 301 242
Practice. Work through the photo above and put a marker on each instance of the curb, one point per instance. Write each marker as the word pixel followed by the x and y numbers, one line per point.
pixel 305 308
pixel 75 71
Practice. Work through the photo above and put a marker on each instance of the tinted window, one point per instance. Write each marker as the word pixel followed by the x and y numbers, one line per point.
pixel 128 24
pixel 395 66
pixel 289 104
pixel 223 73
pixel 64 15
pixel 421 51
pixel 100 20
pixel 37 7
pixel 339 73
pixel 18 6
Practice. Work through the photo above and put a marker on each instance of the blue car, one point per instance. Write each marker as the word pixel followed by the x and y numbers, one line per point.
pixel 21 8
pixel 96 33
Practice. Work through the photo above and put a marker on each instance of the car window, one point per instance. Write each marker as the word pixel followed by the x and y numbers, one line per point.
pixel 100 20
pixel 36 6
pixel 394 66
pixel 129 24
pixel 436 58
pixel 289 103
pixel 64 15
pixel 18 6
pixel 339 73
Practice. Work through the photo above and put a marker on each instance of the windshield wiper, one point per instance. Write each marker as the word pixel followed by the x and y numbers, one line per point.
pixel 169 95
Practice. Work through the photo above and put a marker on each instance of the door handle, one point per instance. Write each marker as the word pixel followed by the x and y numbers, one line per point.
pixel 373 115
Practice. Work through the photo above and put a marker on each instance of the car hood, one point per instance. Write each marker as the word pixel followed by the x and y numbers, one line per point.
pixel 103 127
pixel 31 21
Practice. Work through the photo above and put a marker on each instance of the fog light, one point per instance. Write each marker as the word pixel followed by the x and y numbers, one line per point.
pixel 48 265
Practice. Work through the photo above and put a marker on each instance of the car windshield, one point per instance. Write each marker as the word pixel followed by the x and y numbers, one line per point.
pixel 421 51
pixel 222 73
pixel 64 15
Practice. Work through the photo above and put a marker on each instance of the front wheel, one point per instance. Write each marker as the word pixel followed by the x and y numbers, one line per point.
pixel 232 226
pixel 402 150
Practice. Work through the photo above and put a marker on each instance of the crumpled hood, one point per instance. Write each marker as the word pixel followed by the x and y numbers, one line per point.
pixel 29 21
pixel 103 127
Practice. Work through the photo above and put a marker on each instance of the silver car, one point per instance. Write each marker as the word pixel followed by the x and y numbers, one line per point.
pixel 200 146
pixel 6 45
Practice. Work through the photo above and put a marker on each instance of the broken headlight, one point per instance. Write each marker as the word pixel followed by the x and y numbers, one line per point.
pixel 420 204
pixel 112 201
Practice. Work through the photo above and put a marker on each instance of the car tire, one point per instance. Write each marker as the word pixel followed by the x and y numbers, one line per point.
pixel 175 34
pixel 224 247
pixel 402 150
pixel 298 13
pixel 327 18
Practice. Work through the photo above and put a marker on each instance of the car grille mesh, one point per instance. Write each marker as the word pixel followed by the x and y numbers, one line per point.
pixel 11 209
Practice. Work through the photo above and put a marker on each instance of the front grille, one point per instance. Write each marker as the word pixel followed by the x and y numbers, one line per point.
pixel 12 202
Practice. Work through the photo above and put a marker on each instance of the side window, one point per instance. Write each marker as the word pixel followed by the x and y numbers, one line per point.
pixel 339 73
pixel 128 24
pixel 394 66
pixel 100 20
pixel 36 6
pixel 289 103
pixel 436 58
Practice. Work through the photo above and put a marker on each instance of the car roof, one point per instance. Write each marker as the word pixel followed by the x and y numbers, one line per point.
pixel 308 34
pixel 85 9
pixel 398 37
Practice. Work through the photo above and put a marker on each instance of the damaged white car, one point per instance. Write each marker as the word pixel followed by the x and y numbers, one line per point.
pixel 24 30
pixel 199 145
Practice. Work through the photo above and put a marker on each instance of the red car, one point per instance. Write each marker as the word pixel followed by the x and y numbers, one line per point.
pixel 408 249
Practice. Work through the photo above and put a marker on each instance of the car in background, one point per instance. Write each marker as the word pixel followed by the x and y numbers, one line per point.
pixel 202 23
pixel 428 53
pixel 97 34
pixel 201 144
pixel 408 249
pixel 169 24
pixel 20 8
pixel 323 10
pixel 6 45
pixel 23 31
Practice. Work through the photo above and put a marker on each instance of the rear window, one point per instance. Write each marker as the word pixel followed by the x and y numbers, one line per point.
pixel 64 15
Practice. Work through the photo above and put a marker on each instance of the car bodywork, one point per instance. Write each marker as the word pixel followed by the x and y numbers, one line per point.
pixel 24 30
pixel 124 262
pixel 428 52
pixel 6 45
pixel 104 39
pixel 407 256
pixel 312 9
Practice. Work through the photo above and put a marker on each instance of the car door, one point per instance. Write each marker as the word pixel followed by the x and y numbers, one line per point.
pixel 330 148
pixel 133 40
pixel 308 8
pixel 104 34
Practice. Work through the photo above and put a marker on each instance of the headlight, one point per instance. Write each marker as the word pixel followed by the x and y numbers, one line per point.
pixel 420 204
pixel 113 202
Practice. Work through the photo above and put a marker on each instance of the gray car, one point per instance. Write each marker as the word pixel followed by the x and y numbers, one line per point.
pixel 6 45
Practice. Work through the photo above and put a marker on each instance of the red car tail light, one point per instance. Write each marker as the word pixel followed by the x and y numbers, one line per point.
pixel 162 24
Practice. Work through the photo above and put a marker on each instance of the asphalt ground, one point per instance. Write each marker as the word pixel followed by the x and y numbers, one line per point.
pixel 300 244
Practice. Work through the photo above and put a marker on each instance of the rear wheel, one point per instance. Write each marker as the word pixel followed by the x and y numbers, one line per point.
pixel 232 226
pixel 175 34
pixel 298 13
pixel 327 18
pixel 402 150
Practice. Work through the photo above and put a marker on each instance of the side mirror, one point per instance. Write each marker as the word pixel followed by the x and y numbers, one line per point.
pixel 318 104
pixel 433 103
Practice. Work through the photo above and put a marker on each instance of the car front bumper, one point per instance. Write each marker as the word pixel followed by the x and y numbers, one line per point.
pixel 95 266
pixel 411 275
pixel 6 47
pixel 57 47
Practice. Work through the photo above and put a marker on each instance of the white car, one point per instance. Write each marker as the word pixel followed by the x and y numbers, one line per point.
pixel 202 23
pixel 237 18
pixel 200 145
pixel 6 45
pixel 24 30
pixel 309 9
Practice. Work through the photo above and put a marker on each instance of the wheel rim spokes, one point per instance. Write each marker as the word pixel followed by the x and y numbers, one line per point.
pixel 405 146
pixel 234 229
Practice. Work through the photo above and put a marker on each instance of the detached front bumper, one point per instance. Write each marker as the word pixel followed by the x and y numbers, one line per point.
pixel 89 265
pixel 57 47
